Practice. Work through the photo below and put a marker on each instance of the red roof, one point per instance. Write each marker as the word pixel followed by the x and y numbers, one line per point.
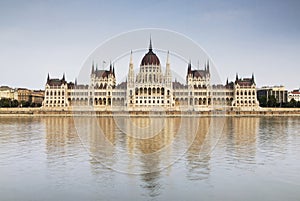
pixel 102 73
pixel 199 73
pixel 150 58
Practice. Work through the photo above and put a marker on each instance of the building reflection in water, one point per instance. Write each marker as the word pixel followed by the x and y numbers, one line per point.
pixel 274 136
pixel 145 146
pixel 198 155
pixel 240 135
pixel 62 143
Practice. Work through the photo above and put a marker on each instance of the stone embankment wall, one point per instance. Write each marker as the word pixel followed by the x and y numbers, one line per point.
pixel 21 112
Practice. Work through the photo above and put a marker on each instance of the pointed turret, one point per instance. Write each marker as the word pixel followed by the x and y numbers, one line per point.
pixel 75 81
pixel 93 69
pixel 110 67
pixel 189 67
pixel 63 77
pixel 207 66
pixel 131 60
pixel 227 81
pixel 236 77
pixel 113 70
pixel 252 79
pixel 48 78
pixel 168 59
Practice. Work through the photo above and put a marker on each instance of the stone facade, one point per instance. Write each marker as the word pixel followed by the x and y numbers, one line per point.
pixel 295 94
pixel 279 92
pixel 8 93
pixel 151 89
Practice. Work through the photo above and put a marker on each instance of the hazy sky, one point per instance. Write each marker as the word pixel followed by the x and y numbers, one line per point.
pixel 260 37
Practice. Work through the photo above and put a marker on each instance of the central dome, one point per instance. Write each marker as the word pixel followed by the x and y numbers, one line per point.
pixel 150 58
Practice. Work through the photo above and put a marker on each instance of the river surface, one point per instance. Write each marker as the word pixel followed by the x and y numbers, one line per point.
pixel 84 158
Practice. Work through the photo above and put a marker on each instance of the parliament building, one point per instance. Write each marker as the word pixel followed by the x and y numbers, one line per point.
pixel 151 88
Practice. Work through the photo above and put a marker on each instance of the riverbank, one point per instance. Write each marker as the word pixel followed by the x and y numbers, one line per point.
pixel 23 112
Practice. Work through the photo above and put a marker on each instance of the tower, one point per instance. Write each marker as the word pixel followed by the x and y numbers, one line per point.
pixel 168 75
pixel 130 78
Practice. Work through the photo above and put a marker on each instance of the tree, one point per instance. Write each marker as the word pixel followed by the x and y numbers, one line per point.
pixel 4 102
pixel 272 101
pixel 24 103
pixel 14 103
pixel 292 103
pixel 262 101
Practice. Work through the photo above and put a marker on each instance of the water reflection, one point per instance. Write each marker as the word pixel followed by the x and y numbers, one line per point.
pixel 148 147
pixel 197 155
pixel 275 133
pixel 144 145
pixel 241 139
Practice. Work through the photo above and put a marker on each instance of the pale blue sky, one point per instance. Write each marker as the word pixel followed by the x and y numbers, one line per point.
pixel 37 37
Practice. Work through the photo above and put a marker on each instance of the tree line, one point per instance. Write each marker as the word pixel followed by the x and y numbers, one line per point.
pixel 271 101
pixel 6 103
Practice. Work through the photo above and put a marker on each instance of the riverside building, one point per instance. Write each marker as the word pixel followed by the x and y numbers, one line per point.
pixel 151 88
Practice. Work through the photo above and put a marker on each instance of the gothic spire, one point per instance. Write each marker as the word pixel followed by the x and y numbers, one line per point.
pixel 168 59
pixel 189 66
pixel 236 77
pixel 110 67
pixel 75 81
pixel 131 60
pixel 63 77
pixel 227 81
pixel 252 78
pixel 93 69
pixel 48 78
pixel 207 68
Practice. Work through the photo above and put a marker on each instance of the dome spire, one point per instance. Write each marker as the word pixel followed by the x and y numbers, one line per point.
pixel 150 45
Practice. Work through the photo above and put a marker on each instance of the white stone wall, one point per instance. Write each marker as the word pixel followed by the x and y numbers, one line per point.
pixel 55 96
pixel 245 96
pixel 295 96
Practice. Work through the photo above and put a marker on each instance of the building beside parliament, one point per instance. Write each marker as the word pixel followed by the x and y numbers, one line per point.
pixel 151 88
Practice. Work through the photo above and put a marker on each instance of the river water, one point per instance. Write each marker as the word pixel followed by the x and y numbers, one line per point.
pixel 84 158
